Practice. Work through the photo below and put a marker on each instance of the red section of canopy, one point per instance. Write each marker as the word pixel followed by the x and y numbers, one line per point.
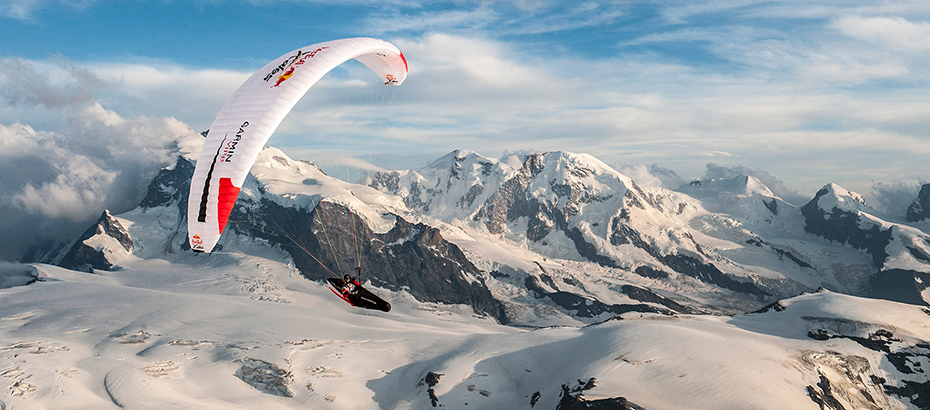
pixel 228 193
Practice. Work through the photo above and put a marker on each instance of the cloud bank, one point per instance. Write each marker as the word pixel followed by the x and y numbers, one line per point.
pixel 58 182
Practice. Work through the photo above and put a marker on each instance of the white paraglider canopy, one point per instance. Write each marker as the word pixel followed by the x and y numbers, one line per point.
pixel 250 116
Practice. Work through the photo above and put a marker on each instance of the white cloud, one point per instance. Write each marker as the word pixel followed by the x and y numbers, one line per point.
pixel 160 89
pixel 497 18
pixel 474 61
pixel 141 79
pixel 653 175
pixel 24 9
pixel 777 187
pixel 683 12
pixel 431 20
pixel 893 198
pixel 56 83
pixel 895 32
pixel 77 193
pixel 710 154
pixel 56 183
pixel 360 164
pixel 17 139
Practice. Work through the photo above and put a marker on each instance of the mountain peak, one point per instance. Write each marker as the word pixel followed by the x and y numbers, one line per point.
pixel 754 185
pixel 834 196
pixel 457 157
pixel 920 208
pixel 571 166
pixel 739 185
pixel 96 247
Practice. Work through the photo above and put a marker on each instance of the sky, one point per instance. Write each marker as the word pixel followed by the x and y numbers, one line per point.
pixel 94 93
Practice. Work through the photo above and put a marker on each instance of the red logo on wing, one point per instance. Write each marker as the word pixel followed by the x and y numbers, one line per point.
pixel 298 61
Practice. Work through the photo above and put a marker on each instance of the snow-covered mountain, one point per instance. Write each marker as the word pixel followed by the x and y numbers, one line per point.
pixel 919 210
pixel 899 253
pixel 545 239
pixel 710 241
pixel 635 276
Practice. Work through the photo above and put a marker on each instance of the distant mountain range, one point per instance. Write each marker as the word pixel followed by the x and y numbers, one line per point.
pixel 617 295
pixel 540 239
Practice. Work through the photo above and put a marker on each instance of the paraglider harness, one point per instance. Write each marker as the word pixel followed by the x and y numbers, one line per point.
pixel 350 290
pixel 347 287
pixel 350 285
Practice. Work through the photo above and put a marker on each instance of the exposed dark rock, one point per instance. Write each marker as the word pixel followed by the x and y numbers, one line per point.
pixel 431 380
pixel 917 253
pixel 709 273
pixel 588 250
pixel 920 208
pixel 572 399
pixel 879 341
pixel 687 265
pixel 906 359
pixel 776 306
pixel 917 392
pixel 85 258
pixel 900 285
pixel 650 272
pixel 845 227
pixel 780 252
pixel 471 195
pixel 485 393
pixel 548 280
pixel 535 399
pixel 909 360
pixel 822 394
pixel 646 295
pixel 771 205
pixel 539 224
pixel 170 186
pixel 390 181
pixel 498 274
pixel 585 307
pixel 411 257
pixel 513 201
pixel 819 334
pixel 900 362
pixel 266 377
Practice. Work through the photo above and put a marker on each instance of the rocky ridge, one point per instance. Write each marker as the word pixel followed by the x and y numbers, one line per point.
pixel 599 244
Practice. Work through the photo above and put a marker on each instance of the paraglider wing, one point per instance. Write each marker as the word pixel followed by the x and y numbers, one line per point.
pixel 254 111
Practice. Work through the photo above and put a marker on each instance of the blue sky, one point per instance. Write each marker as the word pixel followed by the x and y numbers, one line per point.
pixel 801 92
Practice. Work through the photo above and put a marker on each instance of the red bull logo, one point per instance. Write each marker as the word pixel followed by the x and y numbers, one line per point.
pixel 390 79
pixel 196 242
pixel 290 64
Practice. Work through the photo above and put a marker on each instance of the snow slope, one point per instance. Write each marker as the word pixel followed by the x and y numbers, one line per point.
pixel 242 330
